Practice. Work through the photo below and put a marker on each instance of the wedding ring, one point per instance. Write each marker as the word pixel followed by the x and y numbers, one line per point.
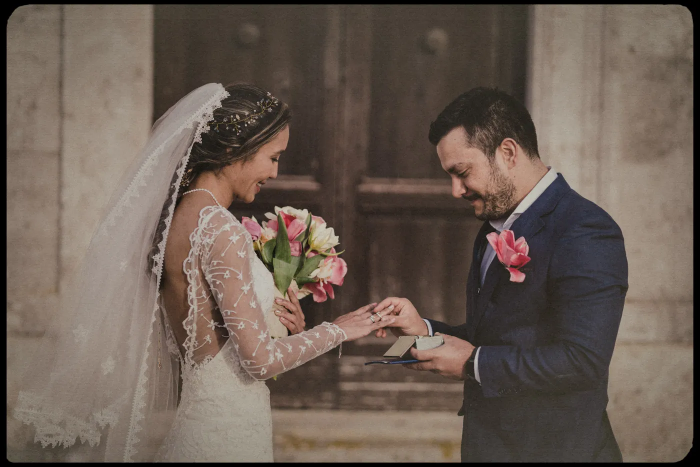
pixel 371 317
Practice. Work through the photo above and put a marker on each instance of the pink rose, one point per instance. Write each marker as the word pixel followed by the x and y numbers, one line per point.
pixel 252 227
pixel 511 254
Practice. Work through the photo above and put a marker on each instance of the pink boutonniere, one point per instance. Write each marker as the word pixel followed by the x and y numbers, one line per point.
pixel 511 254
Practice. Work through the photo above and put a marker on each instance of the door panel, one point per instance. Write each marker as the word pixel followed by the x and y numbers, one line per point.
pixel 363 82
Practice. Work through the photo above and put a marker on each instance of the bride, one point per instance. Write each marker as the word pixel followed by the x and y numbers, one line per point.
pixel 170 288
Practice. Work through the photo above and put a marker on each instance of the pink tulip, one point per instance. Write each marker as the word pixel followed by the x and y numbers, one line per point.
pixel 252 227
pixel 511 254
pixel 339 268
pixel 296 248
pixel 319 293
pixel 332 271
pixel 294 226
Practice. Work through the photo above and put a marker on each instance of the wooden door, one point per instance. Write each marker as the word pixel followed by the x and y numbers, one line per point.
pixel 363 83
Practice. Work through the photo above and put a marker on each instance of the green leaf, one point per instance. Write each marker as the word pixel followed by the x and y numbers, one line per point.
pixel 284 273
pixel 304 243
pixel 268 251
pixel 296 262
pixel 282 249
pixel 304 280
pixel 307 230
pixel 309 266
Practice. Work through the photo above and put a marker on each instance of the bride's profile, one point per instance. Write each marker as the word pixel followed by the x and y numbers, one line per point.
pixel 171 288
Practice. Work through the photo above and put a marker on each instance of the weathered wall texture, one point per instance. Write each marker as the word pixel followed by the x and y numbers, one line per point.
pixel 79 90
pixel 612 100
pixel 611 96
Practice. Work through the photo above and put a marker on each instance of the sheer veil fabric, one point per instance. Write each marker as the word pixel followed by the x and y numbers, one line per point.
pixel 105 373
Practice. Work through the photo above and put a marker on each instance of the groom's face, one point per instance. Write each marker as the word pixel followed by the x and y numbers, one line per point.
pixel 481 181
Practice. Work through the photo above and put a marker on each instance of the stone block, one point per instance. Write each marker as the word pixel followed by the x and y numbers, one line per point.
pixel 647 172
pixel 108 101
pixel 648 321
pixel 32 232
pixel 566 74
pixel 651 401
pixel 33 78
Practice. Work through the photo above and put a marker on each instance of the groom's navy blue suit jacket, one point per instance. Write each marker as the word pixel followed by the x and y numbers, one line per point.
pixel 546 343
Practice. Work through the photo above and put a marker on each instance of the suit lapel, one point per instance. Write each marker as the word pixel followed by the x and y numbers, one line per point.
pixel 528 225
pixel 473 284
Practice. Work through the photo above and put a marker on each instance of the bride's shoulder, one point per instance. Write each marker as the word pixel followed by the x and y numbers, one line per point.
pixel 194 218
pixel 215 219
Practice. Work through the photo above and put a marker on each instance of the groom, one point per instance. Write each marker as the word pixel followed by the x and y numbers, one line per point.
pixel 534 352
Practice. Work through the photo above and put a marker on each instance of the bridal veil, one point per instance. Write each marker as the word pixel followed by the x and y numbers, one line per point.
pixel 105 373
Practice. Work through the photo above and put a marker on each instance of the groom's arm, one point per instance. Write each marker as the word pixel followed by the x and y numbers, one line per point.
pixel 588 284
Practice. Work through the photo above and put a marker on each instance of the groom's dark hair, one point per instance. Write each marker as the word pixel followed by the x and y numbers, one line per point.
pixel 488 116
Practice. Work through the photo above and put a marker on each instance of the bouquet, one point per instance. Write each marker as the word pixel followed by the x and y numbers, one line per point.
pixel 298 248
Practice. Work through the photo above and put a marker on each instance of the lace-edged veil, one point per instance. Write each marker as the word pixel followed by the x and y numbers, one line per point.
pixel 104 380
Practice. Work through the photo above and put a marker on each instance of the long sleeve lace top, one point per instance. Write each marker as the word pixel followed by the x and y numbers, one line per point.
pixel 229 290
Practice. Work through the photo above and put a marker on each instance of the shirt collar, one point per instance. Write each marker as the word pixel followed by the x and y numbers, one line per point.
pixel 537 190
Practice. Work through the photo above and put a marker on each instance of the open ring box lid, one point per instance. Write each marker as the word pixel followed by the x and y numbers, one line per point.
pixel 403 344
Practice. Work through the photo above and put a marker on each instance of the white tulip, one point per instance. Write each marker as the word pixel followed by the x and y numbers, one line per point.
pixel 322 238
pixel 324 271
pixel 267 233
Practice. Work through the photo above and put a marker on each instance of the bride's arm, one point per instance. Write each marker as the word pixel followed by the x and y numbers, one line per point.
pixel 227 267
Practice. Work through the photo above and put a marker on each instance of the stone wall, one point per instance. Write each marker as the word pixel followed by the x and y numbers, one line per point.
pixel 611 94
pixel 79 92
pixel 610 89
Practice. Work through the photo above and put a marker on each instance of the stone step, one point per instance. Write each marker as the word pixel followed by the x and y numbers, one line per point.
pixel 366 436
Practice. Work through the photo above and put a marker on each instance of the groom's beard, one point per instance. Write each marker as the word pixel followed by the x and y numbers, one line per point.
pixel 499 197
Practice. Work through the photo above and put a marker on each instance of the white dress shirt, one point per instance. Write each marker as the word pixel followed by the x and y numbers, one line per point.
pixel 500 225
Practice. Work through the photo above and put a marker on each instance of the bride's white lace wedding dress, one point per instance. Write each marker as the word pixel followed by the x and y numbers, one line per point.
pixel 224 411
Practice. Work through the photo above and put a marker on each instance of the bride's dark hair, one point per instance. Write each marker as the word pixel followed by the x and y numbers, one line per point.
pixel 225 143
pixel 230 143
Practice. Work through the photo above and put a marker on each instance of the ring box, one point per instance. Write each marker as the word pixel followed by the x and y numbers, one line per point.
pixel 403 345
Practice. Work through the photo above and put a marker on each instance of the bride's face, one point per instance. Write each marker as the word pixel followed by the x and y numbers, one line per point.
pixel 247 178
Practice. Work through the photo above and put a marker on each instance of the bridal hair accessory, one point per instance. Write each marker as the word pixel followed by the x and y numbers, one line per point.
pixel 513 255
pixel 186 178
pixel 235 122
pixel 299 249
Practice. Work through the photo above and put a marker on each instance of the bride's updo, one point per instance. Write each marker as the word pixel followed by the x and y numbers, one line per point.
pixel 248 119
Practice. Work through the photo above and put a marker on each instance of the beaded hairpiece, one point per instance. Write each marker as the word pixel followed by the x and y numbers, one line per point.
pixel 237 122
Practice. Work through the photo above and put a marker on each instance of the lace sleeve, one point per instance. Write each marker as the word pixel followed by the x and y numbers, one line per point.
pixel 227 267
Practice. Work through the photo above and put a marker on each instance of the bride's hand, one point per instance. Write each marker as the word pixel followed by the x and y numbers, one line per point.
pixel 362 321
pixel 292 317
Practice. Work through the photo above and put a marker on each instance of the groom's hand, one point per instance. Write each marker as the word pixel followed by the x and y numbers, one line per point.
pixel 408 321
pixel 447 360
